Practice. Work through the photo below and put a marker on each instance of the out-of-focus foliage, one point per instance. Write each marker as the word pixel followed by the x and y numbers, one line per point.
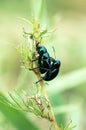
pixel 68 91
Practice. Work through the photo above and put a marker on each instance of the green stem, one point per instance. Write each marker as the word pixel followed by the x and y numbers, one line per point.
pixel 45 95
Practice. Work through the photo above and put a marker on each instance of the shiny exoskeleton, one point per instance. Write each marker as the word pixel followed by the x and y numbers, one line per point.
pixel 44 62
pixel 47 65
pixel 53 71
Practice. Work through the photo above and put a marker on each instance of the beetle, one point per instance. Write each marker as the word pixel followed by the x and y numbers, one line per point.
pixel 44 61
pixel 52 72
pixel 46 64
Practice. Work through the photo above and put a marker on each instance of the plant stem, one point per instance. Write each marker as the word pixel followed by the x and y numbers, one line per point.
pixel 45 95
pixel 52 113
pixel 36 40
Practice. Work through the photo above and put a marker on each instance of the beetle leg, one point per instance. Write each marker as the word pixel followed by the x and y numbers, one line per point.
pixel 34 59
pixel 33 68
pixel 38 81
pixel 37 68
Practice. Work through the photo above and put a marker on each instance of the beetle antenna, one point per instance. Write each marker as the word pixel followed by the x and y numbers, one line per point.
pixel 54 51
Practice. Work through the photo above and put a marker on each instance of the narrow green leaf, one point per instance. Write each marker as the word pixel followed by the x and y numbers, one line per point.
pixel 68 81
pixel 66 108
pixel 16 118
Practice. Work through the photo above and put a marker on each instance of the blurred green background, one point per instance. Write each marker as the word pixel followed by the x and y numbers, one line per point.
pixel 67 92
